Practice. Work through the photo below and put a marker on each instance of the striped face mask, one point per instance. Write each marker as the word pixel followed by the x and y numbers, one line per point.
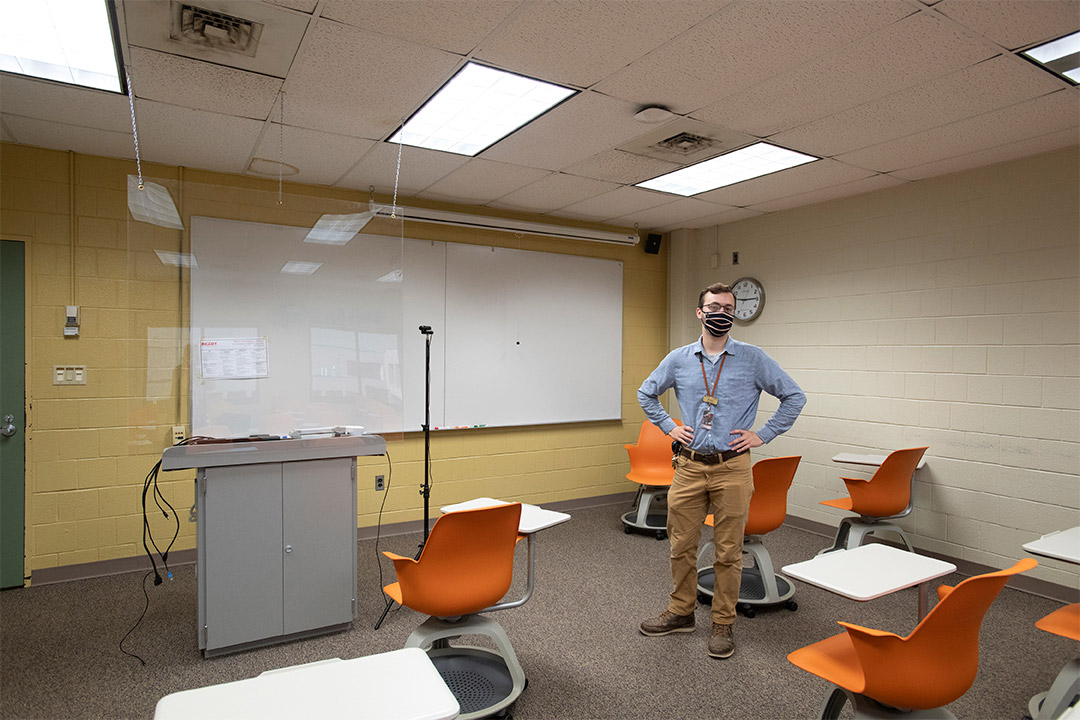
pixel 718 323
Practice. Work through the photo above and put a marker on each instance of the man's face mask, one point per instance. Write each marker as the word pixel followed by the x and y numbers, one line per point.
pixel 718 323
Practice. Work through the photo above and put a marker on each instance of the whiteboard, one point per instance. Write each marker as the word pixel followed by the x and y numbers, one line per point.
pixel 520 337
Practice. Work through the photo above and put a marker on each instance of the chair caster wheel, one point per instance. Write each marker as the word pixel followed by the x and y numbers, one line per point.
pixel 791 605
pixel 661 534
pixel 745 610
pixel 704 599
pixel 627 529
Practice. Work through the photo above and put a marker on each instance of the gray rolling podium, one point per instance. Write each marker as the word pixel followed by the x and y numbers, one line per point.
pixel 276 537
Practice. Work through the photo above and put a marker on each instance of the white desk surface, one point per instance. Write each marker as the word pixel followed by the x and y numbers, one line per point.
pixel 533 517
pixel 868 571
pixel 874 460
pixel 1060 545
pixel 397 685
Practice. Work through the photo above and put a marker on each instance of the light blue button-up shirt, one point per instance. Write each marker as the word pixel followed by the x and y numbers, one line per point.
pixel 746 372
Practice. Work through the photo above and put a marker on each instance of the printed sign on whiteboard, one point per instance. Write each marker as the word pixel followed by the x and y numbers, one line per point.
pixel 234 358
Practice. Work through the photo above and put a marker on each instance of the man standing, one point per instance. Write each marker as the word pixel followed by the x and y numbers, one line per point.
pixel 718 382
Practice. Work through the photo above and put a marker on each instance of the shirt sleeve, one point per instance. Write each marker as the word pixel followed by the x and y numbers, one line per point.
pixel 658 383
pixel 779 384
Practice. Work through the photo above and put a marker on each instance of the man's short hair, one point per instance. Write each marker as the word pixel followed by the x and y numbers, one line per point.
pixel 715 289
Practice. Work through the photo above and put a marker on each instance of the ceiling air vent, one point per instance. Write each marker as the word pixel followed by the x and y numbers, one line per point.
pixel 194 25
pixel 685 141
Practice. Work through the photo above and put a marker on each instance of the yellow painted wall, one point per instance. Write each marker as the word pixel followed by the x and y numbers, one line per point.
pixel 90 447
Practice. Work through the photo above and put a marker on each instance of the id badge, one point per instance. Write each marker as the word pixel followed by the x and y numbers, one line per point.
pixel 706 420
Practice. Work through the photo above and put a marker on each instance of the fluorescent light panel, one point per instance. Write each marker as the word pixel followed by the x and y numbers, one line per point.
pixel 298 267
pixel 1061 56
pixel 68 41
pixel 743 164
pixel 478 107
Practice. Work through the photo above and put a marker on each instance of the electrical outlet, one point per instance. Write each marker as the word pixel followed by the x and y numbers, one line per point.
pixel 734 258
pixel 380 483
pixel 178 434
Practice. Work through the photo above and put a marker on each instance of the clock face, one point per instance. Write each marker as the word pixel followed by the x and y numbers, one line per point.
pixel 749 299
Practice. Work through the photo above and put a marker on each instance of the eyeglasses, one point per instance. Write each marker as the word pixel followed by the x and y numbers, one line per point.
pixel 714 307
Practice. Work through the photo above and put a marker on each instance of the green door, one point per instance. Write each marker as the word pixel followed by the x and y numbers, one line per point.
pixel 12 412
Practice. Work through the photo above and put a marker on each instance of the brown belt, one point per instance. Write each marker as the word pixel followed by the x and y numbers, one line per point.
pixel 713 459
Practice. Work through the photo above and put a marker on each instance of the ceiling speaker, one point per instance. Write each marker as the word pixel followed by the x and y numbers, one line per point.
pixel 652 243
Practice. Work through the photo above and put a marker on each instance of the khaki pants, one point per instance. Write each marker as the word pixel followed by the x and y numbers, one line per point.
pixel 697 490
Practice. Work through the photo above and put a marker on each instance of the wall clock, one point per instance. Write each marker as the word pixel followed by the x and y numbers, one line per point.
pixel 749 299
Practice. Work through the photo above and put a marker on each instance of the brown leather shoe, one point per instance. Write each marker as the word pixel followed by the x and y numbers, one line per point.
pixel 668 622
pixel 722 642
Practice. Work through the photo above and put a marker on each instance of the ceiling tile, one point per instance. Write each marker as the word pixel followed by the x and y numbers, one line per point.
pixel 419 169
pixel 1041 116
pixel 580 42
pixel 743 45
pixel 201 85
pixel 305 6
pixel 618 202
pixel 361 84
pixel 917 49
pixel 579 128
pixel 174 135
pixel 1001 153
pixel 481 181
pixel 59 136
pixel 996 83
pixel 856 187
pixel 64 104
pixel 1015 23
pixel 820 173
pixel 683 209
pixel 456 26
pixel 621 167
pixel 321 157
pixel 553 191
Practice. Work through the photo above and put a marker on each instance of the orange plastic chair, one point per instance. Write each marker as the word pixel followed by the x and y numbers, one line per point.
pixel 465 568
pixel 1053 703
pixel 650 468
pixel 885 496
pixel 761 586
pixel 929 668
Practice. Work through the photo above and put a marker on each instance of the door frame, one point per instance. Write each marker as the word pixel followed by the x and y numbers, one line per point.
pixel 27 400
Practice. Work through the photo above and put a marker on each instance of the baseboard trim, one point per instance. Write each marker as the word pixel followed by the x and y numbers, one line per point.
pixel 179 558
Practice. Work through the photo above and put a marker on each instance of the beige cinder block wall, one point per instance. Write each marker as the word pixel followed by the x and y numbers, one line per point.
pixel 943 313
pixel 90 447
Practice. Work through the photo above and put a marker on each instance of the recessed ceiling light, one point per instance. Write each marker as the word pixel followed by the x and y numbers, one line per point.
pixel 733 167
pixel 296 267
pixel 69 41
pixel 1061 56
pixel 478 107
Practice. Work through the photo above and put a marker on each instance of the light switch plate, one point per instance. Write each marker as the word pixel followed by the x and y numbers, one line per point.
pixel 69 374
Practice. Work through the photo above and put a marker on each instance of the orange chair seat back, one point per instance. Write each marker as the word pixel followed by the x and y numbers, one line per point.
pixel 650 459
pixel 931 667
pixel 768 505
pixel 889 491
pixel 466 565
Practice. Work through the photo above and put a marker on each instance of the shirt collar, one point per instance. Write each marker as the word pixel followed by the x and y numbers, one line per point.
pixel 730 348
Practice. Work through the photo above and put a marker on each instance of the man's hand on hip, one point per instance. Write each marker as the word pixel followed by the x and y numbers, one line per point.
pixel 747 439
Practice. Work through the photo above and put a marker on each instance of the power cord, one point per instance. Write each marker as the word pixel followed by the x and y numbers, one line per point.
pixel 378 524
pixel 151 481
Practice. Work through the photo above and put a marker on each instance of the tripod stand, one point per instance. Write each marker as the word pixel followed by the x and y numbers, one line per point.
pixel 425 488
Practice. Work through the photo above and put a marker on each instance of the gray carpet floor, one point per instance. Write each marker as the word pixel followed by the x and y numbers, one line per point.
pixel 577 638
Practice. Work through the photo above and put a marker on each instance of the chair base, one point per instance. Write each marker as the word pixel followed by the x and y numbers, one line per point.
pixel 760 585
pixel 853 531
pixel 869 709
pixel 484 681
pixel 1061 695
pixel 641 519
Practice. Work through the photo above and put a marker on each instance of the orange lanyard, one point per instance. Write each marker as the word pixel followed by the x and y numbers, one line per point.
pixel 710 396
